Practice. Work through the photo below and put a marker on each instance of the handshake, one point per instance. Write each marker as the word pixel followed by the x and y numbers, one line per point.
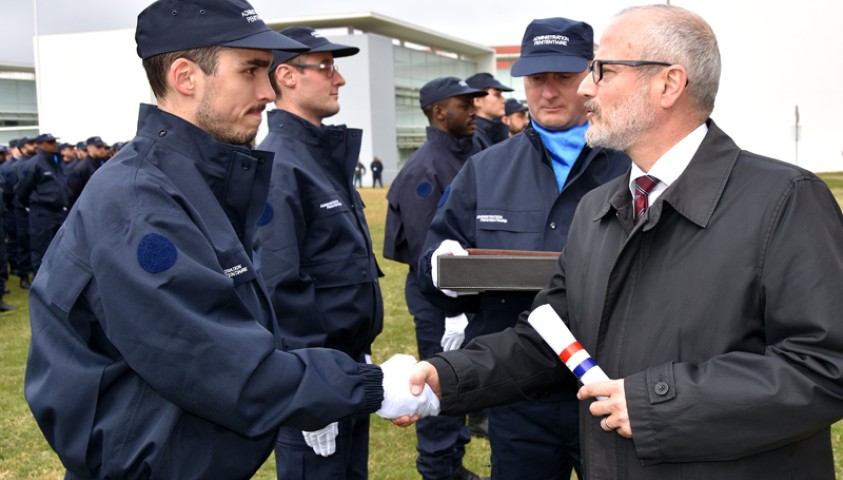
pixel 398 400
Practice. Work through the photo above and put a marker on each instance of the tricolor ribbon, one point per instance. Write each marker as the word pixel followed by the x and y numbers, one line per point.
pixel 557 335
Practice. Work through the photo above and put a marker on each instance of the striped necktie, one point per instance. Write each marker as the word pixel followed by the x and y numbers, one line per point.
pixel 643 186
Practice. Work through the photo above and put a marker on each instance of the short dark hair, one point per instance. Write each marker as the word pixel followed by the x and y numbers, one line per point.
pixel 207 58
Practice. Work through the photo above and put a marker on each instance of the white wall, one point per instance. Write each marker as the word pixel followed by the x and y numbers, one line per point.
pixel 776 56
pixel 367 101
pixel 90 84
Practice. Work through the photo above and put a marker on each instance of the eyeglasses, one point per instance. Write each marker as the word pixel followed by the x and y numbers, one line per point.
pixel 596 67
pixel 328 68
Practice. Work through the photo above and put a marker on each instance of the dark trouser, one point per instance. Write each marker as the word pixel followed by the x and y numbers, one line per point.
pixel 376 179
pixel 441 439
pixel 10 230
pixel 43 225
pixel 22 228
pixel 535 439
pixel 294 460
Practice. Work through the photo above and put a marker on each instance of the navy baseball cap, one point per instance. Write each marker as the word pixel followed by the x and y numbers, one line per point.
pixel 97 141
pixel 513 105
pixel 64 145
pixel 4 149
pixel 81 145
pixel 24 140
pixel 446 87
pixel 486 80
pixel 45 137
pixel 555 45
pixel 175 25
pixel 314 41
pixel 13 143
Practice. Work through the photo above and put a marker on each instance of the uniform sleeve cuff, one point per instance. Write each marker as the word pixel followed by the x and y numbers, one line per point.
pixel 373 386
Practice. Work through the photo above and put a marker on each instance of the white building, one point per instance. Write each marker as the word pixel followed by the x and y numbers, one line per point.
pixel 381 94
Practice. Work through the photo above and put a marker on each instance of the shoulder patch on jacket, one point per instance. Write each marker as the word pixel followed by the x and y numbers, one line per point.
pixel 424 189
pixel 156 253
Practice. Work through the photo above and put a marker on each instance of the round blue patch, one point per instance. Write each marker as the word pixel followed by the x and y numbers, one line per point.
pixel 156 253
pixel 266 216
pixel 424 189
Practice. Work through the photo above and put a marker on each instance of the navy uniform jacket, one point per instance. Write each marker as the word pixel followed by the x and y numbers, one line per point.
pixel 8 170
pixel 416 190
pixel 154 351
pixel 44 183
pixel 80 174
pixel 489 132
pixel 507 197
pixel 721 312
pixel 313 241
pixel 19 169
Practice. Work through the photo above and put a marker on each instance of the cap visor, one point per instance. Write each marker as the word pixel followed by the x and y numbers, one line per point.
pixel 548 63
pixel 268 40
pixel 337 49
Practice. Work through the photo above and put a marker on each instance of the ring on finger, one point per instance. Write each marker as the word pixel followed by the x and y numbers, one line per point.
pixel 606 424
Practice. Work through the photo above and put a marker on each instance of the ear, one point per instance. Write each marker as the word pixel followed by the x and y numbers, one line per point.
pixel 440 112
pixel 674 81
pixel 286 75
pixel 505 120
pixel 183 76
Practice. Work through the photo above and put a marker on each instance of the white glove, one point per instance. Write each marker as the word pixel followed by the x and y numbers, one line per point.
pixel 323 441
pixel 447 247
pixel 454 332
pixel 397 398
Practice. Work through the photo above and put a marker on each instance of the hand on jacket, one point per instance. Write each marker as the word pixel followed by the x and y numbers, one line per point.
pixel 612 409
pixel 454 332
pixel 323 441
pixel 447 247
pixel 398 401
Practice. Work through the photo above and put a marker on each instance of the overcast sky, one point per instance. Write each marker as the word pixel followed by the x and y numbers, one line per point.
pixel 491 22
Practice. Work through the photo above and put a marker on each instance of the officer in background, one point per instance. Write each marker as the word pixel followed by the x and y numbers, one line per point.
pixel 448 104
pixel 81 150
pixel 5 157
pixel 21 168
pixel 97 153
pixel 155 352
pixel 515 116
pixel 490 109
pixel 68 156
pixel 314 245
pixel 376 167
pixel 42 189
pixel 7 179
pixel 521 195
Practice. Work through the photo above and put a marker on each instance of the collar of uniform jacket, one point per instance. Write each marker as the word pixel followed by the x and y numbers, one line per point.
pixel 333 147
pixel 462 148
pixel 696 192
pixel 237 175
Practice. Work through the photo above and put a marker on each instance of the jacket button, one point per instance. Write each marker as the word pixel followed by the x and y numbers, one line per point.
pixel 245 166
pixel 662 388
pixel 162 133
pixel 553 225
pixel 364 273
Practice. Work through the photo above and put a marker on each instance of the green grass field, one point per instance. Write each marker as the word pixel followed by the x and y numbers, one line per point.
pixel 25 454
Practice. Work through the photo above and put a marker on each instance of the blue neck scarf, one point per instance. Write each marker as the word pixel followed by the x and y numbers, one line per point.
pixel 564 147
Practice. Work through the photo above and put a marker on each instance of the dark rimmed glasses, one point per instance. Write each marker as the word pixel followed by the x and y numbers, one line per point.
pixel 328 68
pixel 596 67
